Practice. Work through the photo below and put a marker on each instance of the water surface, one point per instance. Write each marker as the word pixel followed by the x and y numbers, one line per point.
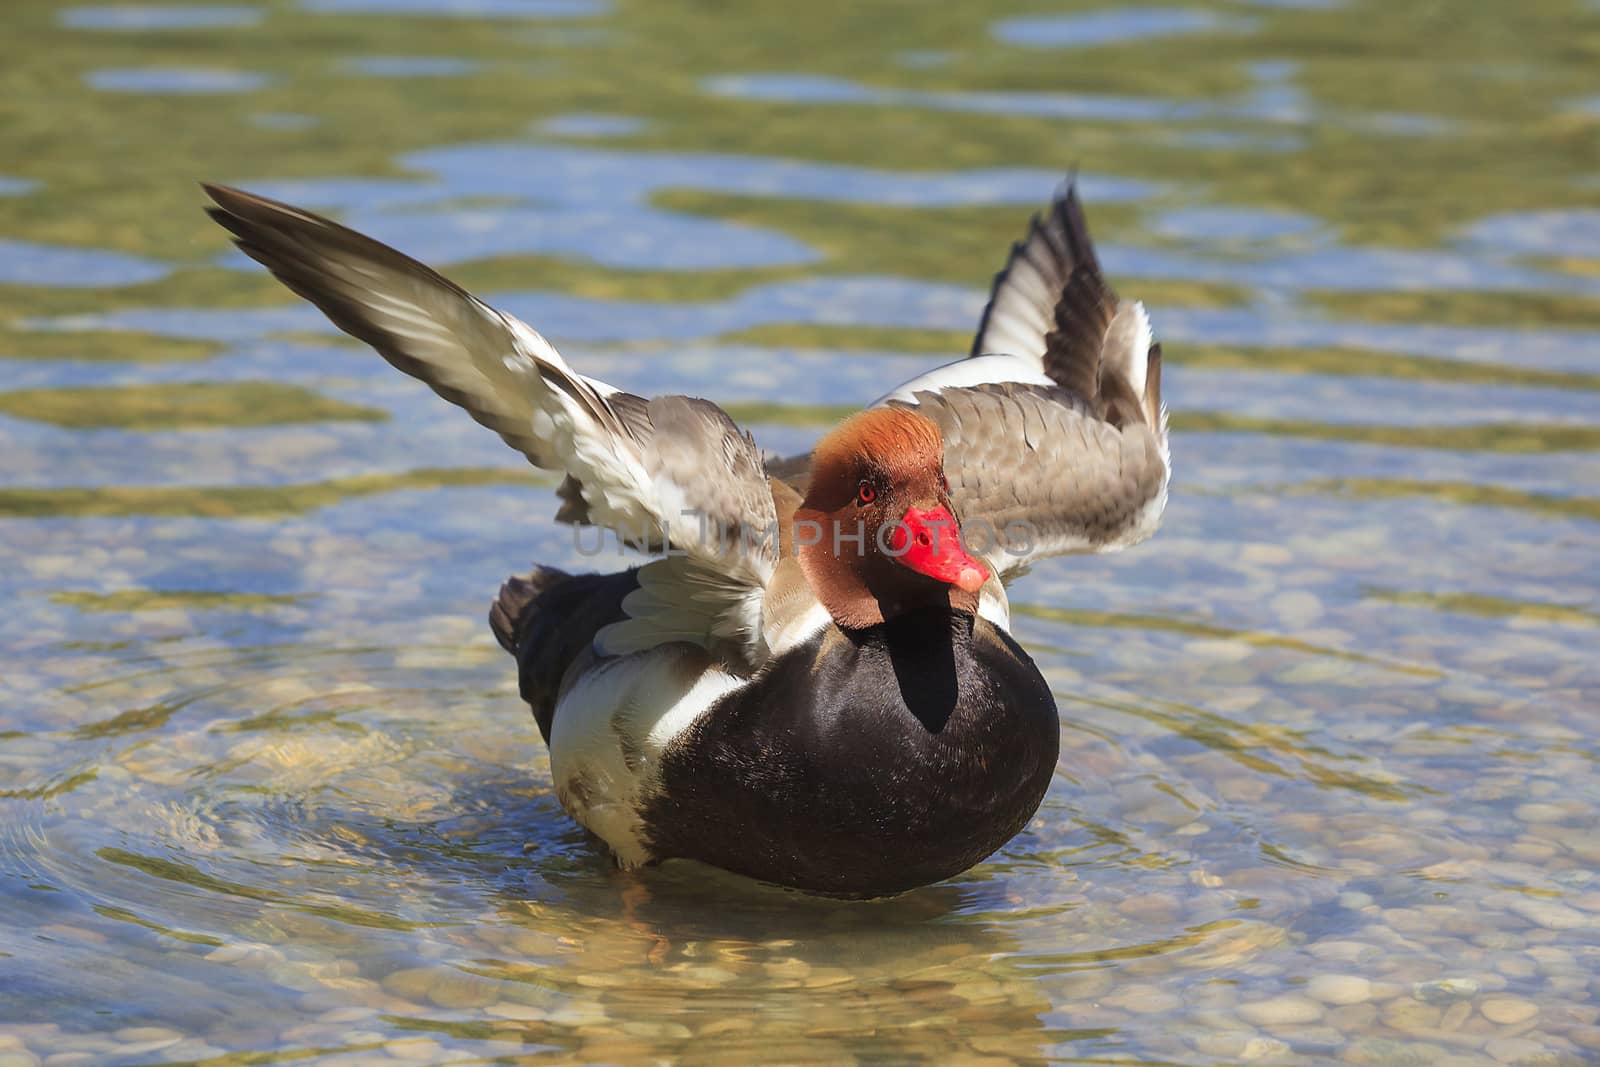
pixel 1327 790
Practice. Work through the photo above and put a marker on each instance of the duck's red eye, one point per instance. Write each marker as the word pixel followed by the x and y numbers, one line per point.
pixel 866 492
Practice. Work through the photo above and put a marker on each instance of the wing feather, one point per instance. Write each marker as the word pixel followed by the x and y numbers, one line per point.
pixel 1034 474
pixel 672 471
pixel 1053 426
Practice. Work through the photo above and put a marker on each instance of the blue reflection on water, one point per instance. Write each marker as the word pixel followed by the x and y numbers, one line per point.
pixel 578 174
pixel 1261 326
pixel 1209 224
pixel 1347 269
pixel 587 124
pixel 502 9
pixel 1109 27
pixel 1541 233
pixel 32 263
pixel 177 80
pixel 159 17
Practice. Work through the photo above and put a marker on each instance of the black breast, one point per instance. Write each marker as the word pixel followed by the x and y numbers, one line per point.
pixel 866 763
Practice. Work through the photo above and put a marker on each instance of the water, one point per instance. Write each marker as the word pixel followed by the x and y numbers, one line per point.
pixel 1328 787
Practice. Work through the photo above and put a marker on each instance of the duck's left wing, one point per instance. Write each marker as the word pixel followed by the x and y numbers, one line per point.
pixel 670 472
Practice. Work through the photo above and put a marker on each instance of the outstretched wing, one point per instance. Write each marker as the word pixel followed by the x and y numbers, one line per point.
pixel 666 471
pixel 1055 438
pixel 1034 474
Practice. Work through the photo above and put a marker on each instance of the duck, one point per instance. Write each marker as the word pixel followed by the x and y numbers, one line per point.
pixel 809 678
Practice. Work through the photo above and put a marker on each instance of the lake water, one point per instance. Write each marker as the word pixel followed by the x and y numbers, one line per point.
pixel 1328 787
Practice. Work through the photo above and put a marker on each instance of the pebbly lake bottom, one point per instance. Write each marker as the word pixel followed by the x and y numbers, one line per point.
pixel 260 828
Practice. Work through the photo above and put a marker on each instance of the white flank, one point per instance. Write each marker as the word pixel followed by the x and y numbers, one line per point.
pixel 610 732
pixel 798 630
pixel 993 604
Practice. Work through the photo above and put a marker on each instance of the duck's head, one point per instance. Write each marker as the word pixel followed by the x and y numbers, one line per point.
pixel 876 534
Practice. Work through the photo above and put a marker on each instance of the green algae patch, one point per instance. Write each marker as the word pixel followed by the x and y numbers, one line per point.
pixel 1465 493
pixel 759 414
pixel 134 720
pixel 46 790
pixel 1158 293
pixel 1510 437
pixel 1489 607
pixel 1357 362
pixel 103 346
pixel 190 405
pixel 1581 266
pixel 331 338
pixel 953 343
pixel 131 600
pixel 595 281
pixel 1464 308
pixel 233 502
pixel 117 914
pixel 189 287
pixel 192 288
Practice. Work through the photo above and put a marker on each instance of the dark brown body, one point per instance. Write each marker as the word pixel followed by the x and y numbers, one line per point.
pixel 866 763
pixel 862 763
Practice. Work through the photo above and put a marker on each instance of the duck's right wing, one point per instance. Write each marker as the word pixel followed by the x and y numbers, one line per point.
pixel 1034 473
pixel 671 471
pixel 1055 437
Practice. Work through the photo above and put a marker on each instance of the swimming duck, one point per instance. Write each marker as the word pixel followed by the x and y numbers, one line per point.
pixel 816 685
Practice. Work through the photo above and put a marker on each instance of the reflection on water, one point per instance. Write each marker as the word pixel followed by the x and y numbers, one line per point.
pixel 1327 788
pixel 30 263
pixel 151 17
pixel 1105 27
pixel 467 9
pixel 182 81
pixel 412 66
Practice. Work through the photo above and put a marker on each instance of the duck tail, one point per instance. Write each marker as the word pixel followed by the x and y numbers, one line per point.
pixel 509 609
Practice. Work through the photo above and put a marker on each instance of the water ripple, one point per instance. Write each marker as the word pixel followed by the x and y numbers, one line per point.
pixel 176 81
pixel 1094 28
pixel 33 264
pixel 142 17
pixel 463 9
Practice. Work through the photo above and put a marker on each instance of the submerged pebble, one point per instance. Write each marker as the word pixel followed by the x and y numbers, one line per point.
pixel 1339 989
pixel 1508 1011
pixel 1280 1010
